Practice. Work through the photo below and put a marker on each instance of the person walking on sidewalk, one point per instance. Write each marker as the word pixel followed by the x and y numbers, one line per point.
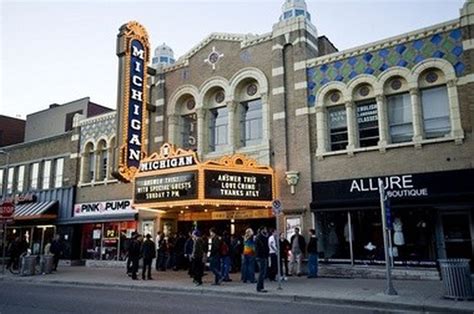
pixel 215 257
pixel 162 250
pixel 298 246
pixel 262 254
pixel 248 257
pixel 157 243
pixel 148 253
pixel 188 252
pixel 312 254
pixel 198 256
pixel 134 255
pixel 273 249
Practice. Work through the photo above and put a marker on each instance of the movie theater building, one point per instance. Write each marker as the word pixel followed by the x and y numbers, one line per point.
pixel 102 216
pixel 401 110
pixel 237 102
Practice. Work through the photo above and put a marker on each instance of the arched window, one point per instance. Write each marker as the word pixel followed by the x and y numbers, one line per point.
pixel 250 112
pixel 399 109
pixel 337 121
pixel 366 115
pixel 218 120
pixel 434 103
pixel 88 161
pixel 102 156
pixel 188 122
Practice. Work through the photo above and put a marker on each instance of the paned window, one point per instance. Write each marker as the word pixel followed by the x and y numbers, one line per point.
pixel 367 120
pixel 435 112
pixel 218 128
pixel 400 118
pixel 251 122
pixel 337 127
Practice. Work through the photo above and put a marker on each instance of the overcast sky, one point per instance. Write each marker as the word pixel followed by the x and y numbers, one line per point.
pixel 59 51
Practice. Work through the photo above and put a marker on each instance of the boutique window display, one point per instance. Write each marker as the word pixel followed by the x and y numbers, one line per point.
pixel 356 236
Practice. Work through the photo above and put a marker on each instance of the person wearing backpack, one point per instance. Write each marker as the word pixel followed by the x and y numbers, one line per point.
pixel 214 257
pixel 225 256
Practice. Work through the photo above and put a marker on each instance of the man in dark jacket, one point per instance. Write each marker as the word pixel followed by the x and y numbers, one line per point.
pixel 56 251
pixel 197 257
pixel 134 255
pixel 262 253
pixel 188 252
pixel 298 246
pixel 215 257
pixel 312 254
pixel 148 253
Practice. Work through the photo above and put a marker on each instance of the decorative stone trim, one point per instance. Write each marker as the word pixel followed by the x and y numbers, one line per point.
pixel 277 47
pixel 278 90
pixel 159 102
pixel 74 156
pixel 278 71
pixel 159 118
pixel 279 116
pixel 301 65
pixel 466 79
pixel 158 139
pixel 305 110
pixel 301 85
pixel 75 137
pixel 385 43
pixel 159 82
pixel 306 40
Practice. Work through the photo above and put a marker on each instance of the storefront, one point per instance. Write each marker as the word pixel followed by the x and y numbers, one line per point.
pixel 230 194
pixel 35 217
pixel 106 228
pixel 431 215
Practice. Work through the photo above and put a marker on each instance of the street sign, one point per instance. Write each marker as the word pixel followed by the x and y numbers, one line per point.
pixel 276 207
pixel 388 214
pixel 6 210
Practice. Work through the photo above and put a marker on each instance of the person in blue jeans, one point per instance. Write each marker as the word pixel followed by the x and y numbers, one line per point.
pixel 225 251
pixel 262 254
pixel 214 257
pixel 312 254
pixel 248 257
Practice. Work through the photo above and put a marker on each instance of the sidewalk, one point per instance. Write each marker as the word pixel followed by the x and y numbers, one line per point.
pixel 413 295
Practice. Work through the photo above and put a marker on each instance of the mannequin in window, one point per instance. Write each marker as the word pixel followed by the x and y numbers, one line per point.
pixel 398 238
pixel 333 240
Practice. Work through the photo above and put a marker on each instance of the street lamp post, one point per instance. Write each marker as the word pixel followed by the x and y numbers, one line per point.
pixel 4 197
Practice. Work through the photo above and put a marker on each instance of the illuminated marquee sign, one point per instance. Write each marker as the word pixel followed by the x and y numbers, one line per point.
pixel 175 177
pixel 174 186
pixel 238 185
pixel 133 112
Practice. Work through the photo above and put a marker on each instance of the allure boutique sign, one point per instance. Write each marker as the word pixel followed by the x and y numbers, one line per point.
pixel 402 188
pixel 133 91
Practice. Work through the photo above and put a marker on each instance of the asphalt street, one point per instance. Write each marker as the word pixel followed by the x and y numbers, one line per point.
pixel 27 298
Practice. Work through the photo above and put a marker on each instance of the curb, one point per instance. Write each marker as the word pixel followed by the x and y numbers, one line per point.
pixel 371 304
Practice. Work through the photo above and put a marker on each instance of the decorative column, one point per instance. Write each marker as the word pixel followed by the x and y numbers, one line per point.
pixel 201 129
pixel 97 154
pixel 351 127
pixel 383 121
pixel 321 131
pixel 454 112
pixel 173 127
pixel 417 116
pixel 233 125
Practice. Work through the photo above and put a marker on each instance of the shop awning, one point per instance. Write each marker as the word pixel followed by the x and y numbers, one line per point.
pixel 36 210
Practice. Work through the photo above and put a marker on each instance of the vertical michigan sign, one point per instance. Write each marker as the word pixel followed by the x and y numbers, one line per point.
pixel 133 53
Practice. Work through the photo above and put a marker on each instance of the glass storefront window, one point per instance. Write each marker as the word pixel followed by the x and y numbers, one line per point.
pixel 413 236
pixel 107 241
pixel 332 229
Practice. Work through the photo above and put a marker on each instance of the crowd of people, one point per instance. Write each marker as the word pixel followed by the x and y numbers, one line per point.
pixel 248 254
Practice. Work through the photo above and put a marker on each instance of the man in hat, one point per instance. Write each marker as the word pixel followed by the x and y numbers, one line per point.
pixel 148 253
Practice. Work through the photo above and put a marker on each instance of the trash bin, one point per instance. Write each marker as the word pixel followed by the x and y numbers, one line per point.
pixel 28 265
pixel 46 263
pixel 456 276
